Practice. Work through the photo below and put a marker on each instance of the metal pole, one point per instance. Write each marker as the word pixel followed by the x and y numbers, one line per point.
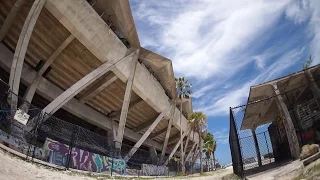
pixel 265 137
pixel 71 145
pixel 114 146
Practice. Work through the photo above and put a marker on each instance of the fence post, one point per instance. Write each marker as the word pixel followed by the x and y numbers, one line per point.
pixel 71 145
pixel 113 154
pixel 265 137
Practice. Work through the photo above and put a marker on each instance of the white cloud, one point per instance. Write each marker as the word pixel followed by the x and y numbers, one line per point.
pixel 213 42
pixel 298 11
pixel 303 10
pixel 205 38
pixel 238 95
pixel 315 28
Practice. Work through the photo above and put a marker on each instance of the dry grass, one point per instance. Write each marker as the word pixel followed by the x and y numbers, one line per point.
pixel 231 177
pixel 311 172
pixel 309 150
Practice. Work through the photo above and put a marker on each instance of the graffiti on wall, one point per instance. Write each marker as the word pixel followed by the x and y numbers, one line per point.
pixel 84 160
pixel 57 153
pixel 153 170
pixel 22 146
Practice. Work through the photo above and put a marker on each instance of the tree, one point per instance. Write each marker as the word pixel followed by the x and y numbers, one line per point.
pixel 306 65
pixel 210 146
pixel 184 91
pixel 196 121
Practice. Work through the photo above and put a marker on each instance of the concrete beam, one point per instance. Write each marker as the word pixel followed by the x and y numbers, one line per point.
pixel 190 152
pixel 21 49
pixel 50 92
pixel 176 147
pixel 144 125
pixel 97 88
pixel 10 17
pixel 83 83
pixel 90 29
pixel 127 98
pixel 145 135
pixel 186 145
pixel 28 95
pixel 165 144
pixel 288 124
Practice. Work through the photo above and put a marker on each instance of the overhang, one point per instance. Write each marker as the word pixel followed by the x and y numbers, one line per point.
pixel 262 107
pixel 162 69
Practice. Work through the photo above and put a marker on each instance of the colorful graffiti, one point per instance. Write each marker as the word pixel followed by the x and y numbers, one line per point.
pixel 57 153
pixel 22 146
pixel 84 160
pixel 153 170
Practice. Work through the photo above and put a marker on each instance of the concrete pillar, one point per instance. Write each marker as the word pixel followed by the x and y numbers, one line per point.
pixel 126 101
pixel 10 18
pixel 288 124
pixel 145 135
pixel 313 86
pixel 190 152
pixel 256 145
pixel 21 49
pixel 186 145
pixel 165 144
pixel 176 146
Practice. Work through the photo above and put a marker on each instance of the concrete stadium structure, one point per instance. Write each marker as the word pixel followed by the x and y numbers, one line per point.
pixel 82 61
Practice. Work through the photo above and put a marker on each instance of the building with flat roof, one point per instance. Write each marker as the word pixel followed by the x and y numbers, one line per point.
pixel 279 118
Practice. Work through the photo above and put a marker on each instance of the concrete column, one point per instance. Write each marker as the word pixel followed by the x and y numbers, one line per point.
pixel 28 95
pixel 153 155
pixel 21 49
pixel 10 18
pixel 145 135
pixel 186 145
pixel 313 86
pixel 288 124
pixel 190 152
pixel 176 146
pixel 82 84
pixel 256 145
pixel 126 101
pixel 165 144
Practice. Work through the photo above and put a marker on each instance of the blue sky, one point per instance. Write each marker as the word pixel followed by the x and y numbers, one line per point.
pixel 225 46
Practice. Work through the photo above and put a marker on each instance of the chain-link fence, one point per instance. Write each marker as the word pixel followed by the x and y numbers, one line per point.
pixel 259 130
pixel 56 141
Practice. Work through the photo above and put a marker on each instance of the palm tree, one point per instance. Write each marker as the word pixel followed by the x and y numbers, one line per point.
pixel 183 87
pixel 210 146
pixel 308 62
pixel 213 150
pixel 196 121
